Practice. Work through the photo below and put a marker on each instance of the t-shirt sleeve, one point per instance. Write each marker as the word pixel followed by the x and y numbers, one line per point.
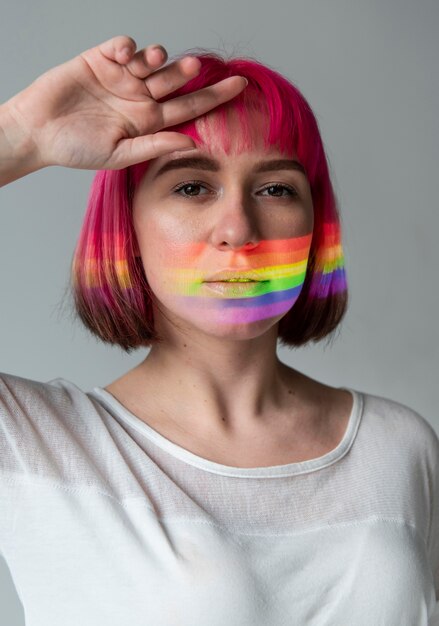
pixel 433 534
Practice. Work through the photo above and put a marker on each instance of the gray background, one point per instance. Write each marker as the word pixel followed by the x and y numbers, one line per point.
pixel 368 69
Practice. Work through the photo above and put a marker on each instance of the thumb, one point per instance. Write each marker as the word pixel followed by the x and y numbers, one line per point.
pixel 146 147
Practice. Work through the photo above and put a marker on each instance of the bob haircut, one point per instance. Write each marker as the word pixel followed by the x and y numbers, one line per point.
pixel 111 294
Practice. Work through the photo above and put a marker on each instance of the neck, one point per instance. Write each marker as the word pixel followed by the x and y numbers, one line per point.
pixel 219 384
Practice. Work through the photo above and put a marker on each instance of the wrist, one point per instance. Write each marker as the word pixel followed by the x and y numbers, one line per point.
pixel 18 149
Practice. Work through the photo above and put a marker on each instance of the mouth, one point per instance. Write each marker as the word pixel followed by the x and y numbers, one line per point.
pixel 235 280
pixel 235 276
pixel 235 287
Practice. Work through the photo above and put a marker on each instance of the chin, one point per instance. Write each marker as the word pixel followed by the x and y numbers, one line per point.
pixel 224 329
pixel 221 322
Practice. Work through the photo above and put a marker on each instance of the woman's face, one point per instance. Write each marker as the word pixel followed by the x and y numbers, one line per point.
pixel 197 213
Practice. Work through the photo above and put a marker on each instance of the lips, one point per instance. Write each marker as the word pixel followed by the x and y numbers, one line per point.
pixel 234 276
pixel 235 289
pixel 238 280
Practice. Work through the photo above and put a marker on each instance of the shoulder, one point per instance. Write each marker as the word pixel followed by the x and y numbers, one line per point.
pixel 401 426
pixel 44 423
pixel 397 414
pixel 33 400
pixel 13 387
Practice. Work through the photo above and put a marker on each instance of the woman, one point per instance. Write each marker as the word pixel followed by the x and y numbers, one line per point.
pixel 211 484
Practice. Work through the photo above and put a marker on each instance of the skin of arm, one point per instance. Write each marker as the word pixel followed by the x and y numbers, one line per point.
pixel 18 152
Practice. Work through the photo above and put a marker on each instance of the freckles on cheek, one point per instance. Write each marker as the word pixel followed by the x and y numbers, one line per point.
pixel 158 247
pixel 163 261
pixel 182 266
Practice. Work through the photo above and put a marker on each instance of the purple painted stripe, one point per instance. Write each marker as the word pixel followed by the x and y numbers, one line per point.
pixel 254 314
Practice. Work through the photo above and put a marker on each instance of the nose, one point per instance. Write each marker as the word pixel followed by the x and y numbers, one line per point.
pixel 235 224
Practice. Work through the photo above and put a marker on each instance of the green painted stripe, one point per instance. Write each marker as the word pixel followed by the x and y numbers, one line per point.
pixel 277 284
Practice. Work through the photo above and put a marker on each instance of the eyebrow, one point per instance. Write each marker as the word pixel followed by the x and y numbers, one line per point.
pixel 212 165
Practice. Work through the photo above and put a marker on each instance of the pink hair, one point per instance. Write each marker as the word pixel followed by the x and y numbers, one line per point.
pixel 111 293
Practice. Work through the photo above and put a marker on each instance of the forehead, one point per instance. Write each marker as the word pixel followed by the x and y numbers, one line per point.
pixel 227 134
pixel 251 129
pixel 224 135
pixel 231 131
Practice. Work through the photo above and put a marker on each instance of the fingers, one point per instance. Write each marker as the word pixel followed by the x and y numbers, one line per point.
pixel 120 48
pixel 147 60
pixel 139 149
pixel 175 75
pixel 145 65
pixel 199 102
pixel 141 64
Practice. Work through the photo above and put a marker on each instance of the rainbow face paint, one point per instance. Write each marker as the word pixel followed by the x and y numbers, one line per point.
pixel 276 269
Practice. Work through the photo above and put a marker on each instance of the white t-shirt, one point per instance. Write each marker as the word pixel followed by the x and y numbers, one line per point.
pixel 105 522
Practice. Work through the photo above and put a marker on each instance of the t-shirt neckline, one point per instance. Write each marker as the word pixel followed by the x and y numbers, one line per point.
pixel 113 406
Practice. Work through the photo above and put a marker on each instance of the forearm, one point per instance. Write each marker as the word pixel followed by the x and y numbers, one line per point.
pixel 18 153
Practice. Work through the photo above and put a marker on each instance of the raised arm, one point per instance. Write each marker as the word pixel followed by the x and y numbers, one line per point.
pixel 100 111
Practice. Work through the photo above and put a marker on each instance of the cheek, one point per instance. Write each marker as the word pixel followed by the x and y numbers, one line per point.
pixel 184 266
pixel 172 267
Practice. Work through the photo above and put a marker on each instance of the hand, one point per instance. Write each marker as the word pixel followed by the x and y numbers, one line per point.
pixel 100 110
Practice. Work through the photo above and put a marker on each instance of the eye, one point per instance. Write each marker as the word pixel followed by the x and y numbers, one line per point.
pixel 280 188
pixel 194 184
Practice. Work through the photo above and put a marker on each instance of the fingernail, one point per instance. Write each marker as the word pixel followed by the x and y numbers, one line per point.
pixel 160 49
pixel 126 52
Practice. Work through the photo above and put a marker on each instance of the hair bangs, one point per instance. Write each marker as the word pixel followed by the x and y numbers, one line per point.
pixel 271 113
